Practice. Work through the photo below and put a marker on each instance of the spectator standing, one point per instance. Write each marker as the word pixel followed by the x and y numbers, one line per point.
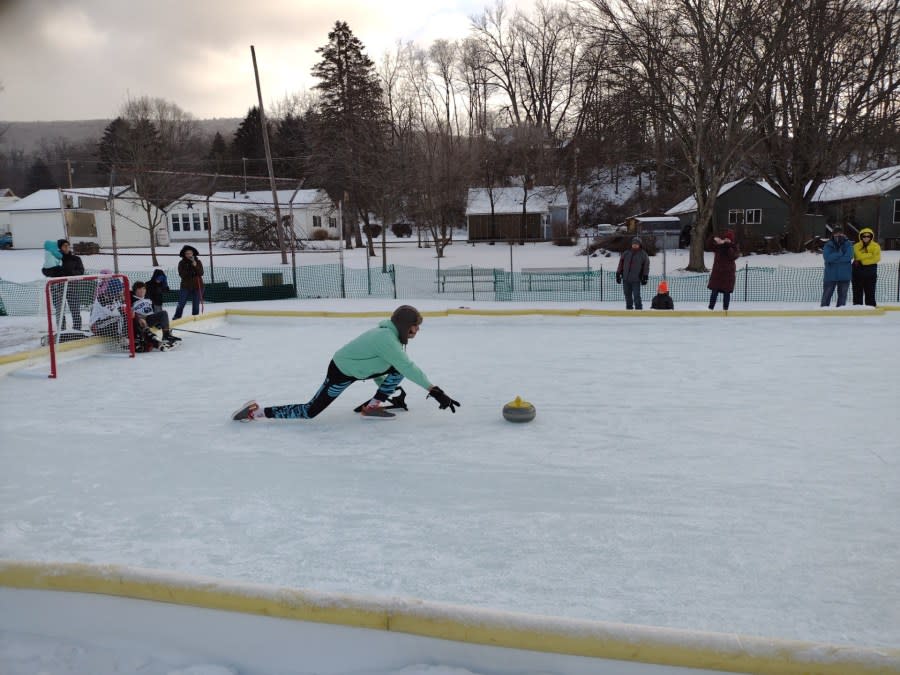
pixel 724 269
pixel 866 255
pixel 72 267
pixel 633 272
pixel 190 269
pixel 838 256
pixel 52 259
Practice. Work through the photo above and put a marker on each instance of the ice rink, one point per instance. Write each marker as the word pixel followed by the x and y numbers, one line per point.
pixel 724 475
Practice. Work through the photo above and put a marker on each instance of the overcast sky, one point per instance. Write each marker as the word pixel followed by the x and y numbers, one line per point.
pixel 82 59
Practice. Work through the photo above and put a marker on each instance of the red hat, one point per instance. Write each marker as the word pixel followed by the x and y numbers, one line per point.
pixel 663 287
pixel 729 234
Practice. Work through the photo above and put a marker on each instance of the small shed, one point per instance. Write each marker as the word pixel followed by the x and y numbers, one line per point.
pixel 7 198
pixel 80 215
pixel 864 199
pixel 514 214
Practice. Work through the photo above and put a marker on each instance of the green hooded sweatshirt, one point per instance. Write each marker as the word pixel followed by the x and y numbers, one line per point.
pixel 374 352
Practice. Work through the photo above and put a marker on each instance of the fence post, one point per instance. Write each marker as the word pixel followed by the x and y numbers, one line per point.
pixel 746 279
pixel 898 283
pixel 472 275
pixel 601 282
pixel 394 280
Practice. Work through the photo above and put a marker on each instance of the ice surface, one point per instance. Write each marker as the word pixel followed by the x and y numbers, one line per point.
pixel 735 475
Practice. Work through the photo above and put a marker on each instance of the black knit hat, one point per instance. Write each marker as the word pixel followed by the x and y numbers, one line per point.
pixel 186 248
pixel 404 318
pixel 60 242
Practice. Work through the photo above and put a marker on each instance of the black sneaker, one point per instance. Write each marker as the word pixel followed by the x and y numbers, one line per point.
pixel 171 339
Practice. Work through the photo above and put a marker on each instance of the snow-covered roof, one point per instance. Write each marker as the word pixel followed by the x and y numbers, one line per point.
pixel 258 199
pixel 509 200
pixel 689 205
pixel 48 200
pixel 656 219
pixel 7 192
pixel 858 185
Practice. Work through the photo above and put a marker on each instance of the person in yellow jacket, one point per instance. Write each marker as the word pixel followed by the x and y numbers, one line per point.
pixel 866 254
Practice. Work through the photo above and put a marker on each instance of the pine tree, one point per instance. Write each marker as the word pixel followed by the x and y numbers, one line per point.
pixel 39 177
pixel 218 151
pixel 290 147
pixel 111 150
pixel 248 144
pixel 352 126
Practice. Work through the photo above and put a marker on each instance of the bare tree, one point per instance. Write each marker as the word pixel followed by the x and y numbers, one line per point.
pixel 495 31
pixel 706 63
pixel 836 87
pixel 151 146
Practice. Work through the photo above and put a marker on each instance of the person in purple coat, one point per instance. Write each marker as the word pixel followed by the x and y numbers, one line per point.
pixel 724 269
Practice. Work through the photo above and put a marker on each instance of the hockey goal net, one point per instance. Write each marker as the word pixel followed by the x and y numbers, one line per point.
pixel 95 307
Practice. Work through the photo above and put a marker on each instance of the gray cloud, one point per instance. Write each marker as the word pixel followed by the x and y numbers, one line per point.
pixel 68 59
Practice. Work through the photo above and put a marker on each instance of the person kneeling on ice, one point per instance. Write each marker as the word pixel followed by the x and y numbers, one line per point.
pixel 379 353
pixel 662 299
pixel 145 319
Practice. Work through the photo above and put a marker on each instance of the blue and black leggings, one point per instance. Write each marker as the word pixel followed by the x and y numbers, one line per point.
pixel 334 385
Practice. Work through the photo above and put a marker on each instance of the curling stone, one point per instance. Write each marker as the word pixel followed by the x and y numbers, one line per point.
pixel 518 411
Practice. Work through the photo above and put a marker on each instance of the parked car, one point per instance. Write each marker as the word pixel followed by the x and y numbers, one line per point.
pixel 6 240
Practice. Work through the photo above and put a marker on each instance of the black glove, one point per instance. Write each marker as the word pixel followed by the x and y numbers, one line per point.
pixel 644 280
pixel 443 400
pixel 618 277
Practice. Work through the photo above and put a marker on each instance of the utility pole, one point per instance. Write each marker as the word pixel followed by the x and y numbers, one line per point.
pixel 265 134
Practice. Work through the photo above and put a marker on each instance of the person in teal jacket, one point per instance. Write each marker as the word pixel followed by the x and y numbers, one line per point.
pixel 379 353
pixel 52 260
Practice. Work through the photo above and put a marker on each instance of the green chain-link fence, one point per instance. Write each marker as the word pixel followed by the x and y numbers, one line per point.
pixel 234 284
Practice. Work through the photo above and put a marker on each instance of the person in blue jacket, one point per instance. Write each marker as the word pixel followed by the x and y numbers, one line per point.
pixel 838 256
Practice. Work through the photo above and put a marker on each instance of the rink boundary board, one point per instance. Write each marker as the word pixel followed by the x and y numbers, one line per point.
pixel 594 639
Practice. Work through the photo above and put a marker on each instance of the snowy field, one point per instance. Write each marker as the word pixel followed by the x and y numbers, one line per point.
pixel 737 475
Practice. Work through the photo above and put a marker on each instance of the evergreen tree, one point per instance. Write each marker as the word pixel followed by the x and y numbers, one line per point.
pixel 39 177
pixel 248 144
pixel 352 126
pixel 290 148
pixel 112 148
pixel 218 151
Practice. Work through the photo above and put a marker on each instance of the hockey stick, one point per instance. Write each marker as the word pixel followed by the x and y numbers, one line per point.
pixel 397 402
pixel 200 332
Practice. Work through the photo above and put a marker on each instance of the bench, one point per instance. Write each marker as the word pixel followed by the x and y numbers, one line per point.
pixel 555 274
pixel 470 276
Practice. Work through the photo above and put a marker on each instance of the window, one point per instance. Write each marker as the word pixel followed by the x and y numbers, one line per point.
pixel 332 222
pixel 224 222
pixel 317 221
pixel 897 210
pixel 196 218
pixel 206 221
pixel 176 223
pixel 753 216
pixel 185 222
pixel 736 217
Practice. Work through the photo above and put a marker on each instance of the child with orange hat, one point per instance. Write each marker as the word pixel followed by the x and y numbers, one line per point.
pixel 662 299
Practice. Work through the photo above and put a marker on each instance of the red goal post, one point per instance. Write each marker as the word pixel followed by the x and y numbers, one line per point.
pixel 94 308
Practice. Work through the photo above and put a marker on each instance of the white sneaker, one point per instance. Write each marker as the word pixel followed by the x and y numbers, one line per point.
pixel 248 412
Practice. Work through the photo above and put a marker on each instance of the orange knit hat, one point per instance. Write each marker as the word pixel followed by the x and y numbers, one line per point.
pixel 663 287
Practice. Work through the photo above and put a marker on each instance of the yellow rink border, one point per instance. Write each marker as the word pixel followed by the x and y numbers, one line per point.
pixel 622 642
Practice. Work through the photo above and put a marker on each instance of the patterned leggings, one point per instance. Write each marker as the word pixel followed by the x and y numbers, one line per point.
pixel 334 385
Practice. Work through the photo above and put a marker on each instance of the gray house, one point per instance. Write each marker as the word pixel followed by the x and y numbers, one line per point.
pixel 751 208
pixel 865 199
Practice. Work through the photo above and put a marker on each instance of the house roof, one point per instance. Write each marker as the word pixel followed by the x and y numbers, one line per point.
pixel 509 200
pixel 689 205
pixel 858 185
pixel 258 199
pixel 48 200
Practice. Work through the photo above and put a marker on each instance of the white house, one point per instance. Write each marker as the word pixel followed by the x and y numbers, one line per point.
pixel 7 197
pixel 189 220
pixel 80 215
pixel 495 214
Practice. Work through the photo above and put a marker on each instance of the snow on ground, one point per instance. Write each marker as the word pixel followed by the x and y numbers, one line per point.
pixel 713 475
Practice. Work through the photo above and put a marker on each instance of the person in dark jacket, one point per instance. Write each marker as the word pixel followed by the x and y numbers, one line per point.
pixel 662 299
pixel 157 285
pixel 633 272
pixel 838 256
pixel 724 269
pixel 190 269
pixel 379 354
pixel 72 266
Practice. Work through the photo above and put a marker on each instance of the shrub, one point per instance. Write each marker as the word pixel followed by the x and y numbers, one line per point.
pixel 402 229
pixel 319 234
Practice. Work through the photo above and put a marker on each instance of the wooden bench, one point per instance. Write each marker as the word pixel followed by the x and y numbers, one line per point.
pixel 557 274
